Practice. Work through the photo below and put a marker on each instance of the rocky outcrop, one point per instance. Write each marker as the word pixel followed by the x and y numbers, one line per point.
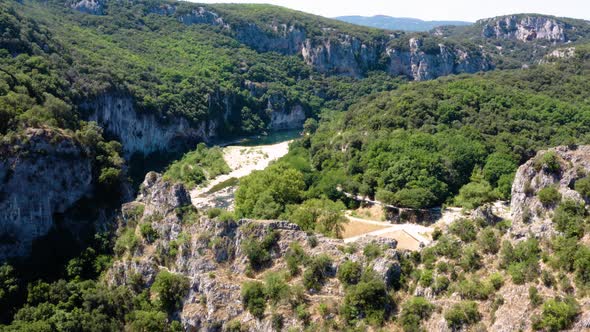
pixel 145 133
pixel 93 7
pixel 211 255
pixel 528 212
pixel 45 172
pixel 525 28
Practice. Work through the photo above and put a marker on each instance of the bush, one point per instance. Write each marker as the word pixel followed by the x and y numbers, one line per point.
pixel 534 296
pixel 171 289
pixel 558 314
pixel 253 298
pixel 275 287
pixel 465 229
pixel 475 194
pixel 349 273
pixel 414 311
pixel 582 186
pixel 471 259
pixel 258 252
pixel 549 196
pixel 548 162
pixel 521 261
pixel 372 250
pixel 366 300
pixel 488 240
pixel 295 256
pixel 463 313
pixel 127 241
pixel 148 232
pixel 316 272
pixel 569 218
pixel 320 215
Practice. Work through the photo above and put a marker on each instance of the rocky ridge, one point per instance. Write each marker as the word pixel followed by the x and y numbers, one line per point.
pixel 212 256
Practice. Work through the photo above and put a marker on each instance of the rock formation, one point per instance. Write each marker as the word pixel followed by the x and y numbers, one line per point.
pixel 210 253
pixel 528 212
pixel 46 174
pixel 525 28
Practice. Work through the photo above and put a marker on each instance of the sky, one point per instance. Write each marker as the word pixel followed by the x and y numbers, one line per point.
pixel 462 10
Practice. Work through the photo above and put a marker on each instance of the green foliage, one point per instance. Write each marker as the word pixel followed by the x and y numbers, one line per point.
pixel 549 196
pixel 258 252
pixel 171 289
pixel 349 273
pixel 465 229
pixel 488 240
pixel 548 162
pixel 317 271
pixel 534 296
pixel 475 194
pixel 275 287
pixel 558 314
pixel 253 298
pixel 320 215
pixel 372 250
pixel 582 186
pixel 570 218
pixel 148 232
pixel 127 241
pixel 197 166
pixel 367 300
pixel 413 312
pixel 522 260
pixel 265 194
pixel 462 314
pixel 294 257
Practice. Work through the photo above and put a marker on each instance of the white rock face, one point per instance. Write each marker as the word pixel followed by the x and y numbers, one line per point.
pixel 94 7
pixel 144 132
pixel 525 28
pixel 528 213
pixel 47 175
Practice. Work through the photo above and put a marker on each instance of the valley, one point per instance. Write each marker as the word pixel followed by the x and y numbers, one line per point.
pixel 175 166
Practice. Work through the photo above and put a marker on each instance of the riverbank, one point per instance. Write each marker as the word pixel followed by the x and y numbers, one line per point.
pixel 242 160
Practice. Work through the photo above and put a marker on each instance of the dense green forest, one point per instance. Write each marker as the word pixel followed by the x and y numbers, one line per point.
pixel 450 141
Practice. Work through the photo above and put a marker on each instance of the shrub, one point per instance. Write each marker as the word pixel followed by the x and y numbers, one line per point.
pixel 474 289
pixel 349 273
pixel 475 194
pixel 295 256
pixel 462 313
pixel 488 240
pixel 258 252
pixel 559 314
pixel 372 251
pixel 465 229
pixel 548 162
pixel 521 261
pixel 316 272
pixel 426 278
pixel 582 186
pixel 275 287
pixel 127 241
pixel 534 296
pixel 414 311
pixel 366 300
pixel 253 298
pixel 471 259
pixel 441 284
pixel 148 232
pixel 569 218
pixel 549 196
pixel 171 289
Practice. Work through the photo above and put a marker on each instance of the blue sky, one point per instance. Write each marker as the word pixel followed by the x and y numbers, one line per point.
pixel 465 10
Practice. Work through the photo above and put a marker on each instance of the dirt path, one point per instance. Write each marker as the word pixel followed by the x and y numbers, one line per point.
pixel 242 160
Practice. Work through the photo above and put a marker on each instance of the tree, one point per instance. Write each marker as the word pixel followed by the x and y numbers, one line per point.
pixel 253 298
pixel 559 314
pixel 349 273
pixel 367 300
pixel 171 289
pixel 414 311
pixel 320 215
pixel 462 313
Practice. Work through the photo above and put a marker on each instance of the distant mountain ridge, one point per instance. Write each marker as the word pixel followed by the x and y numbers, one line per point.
pixel 397 23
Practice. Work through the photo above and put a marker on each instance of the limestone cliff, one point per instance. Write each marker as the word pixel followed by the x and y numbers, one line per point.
pixel 525 28
pixel 211 254
pixel 528 212
pixel 43 173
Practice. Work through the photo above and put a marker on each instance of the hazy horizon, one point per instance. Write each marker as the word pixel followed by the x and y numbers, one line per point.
pixel 430 10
